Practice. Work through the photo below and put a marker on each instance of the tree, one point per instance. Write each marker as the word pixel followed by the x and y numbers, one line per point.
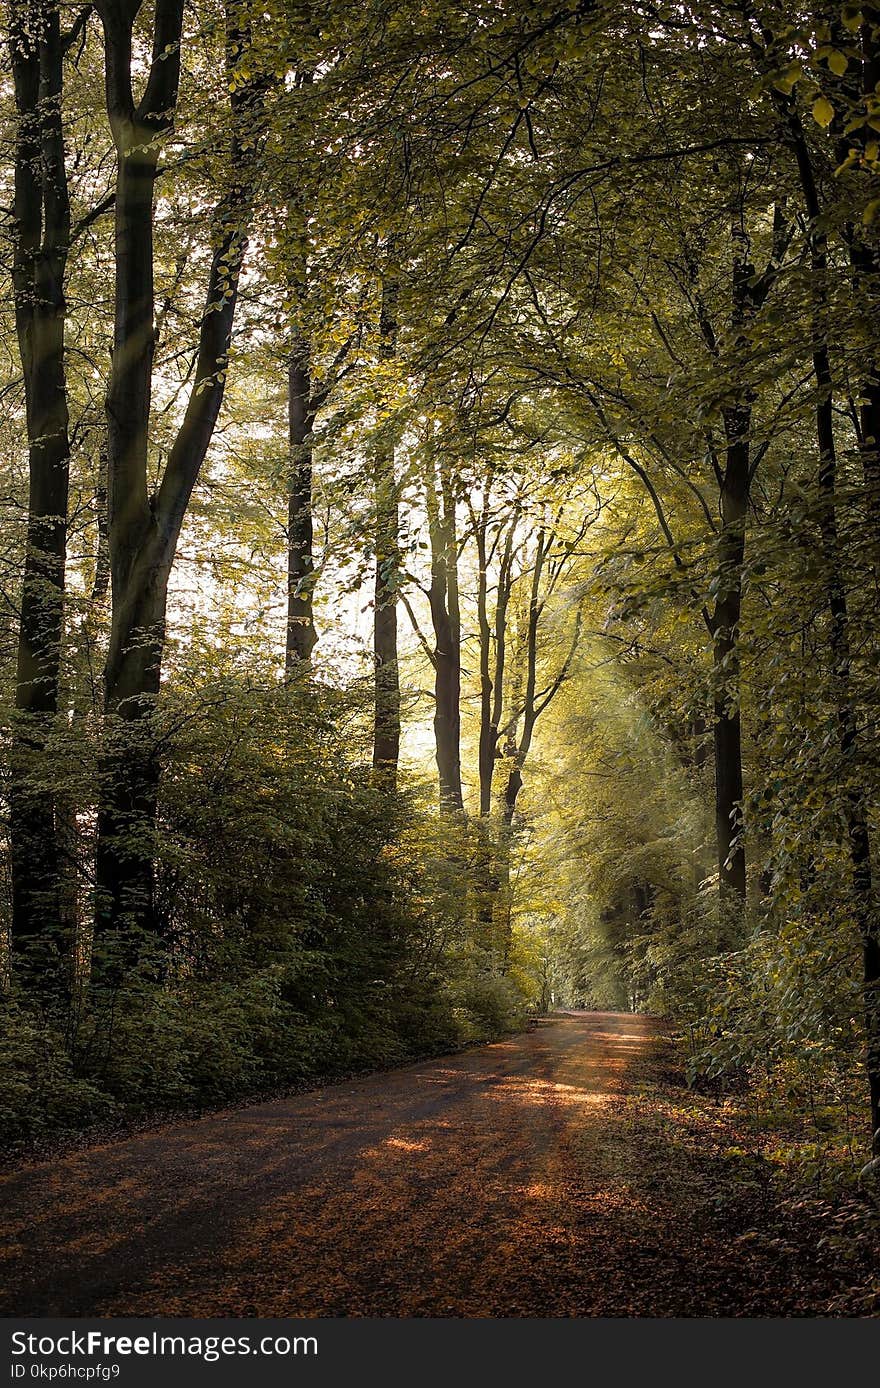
pixel 386 716
pixel 42 235
pixel 144 528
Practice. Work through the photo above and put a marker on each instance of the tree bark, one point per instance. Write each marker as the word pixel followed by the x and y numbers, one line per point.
pixel 301 634
pixel 866 264
pixel 386 718
pixel 727 727
pixel 865 260
pixel 748 292
pixel 139 552
pixel 41 233
pixel 856 809
pixel 847 726
pixel 495 631
pixel 488 733
pixel 443 597
pixel 530 709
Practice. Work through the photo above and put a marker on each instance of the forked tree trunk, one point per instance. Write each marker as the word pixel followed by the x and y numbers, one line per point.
pixel 144 530
pixel 140 541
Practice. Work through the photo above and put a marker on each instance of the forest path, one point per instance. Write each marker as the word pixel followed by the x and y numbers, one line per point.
pixel 516 1179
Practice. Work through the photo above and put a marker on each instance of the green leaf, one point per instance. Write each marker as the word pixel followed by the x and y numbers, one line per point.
pixel 852 18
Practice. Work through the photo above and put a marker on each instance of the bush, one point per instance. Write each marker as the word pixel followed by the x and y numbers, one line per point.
pixel 485 1005
pixel 40 1092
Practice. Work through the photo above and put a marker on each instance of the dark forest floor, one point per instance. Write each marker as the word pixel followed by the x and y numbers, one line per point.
pixel 564 1172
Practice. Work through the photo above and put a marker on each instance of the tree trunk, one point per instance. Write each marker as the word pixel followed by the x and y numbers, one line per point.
pixel 530 710
pixel 139 563
pixel 492 844
pixel 41 221
pixel 386 724
pixel 520 748
pixel 301 634
pixel 865 260
pixel 488 730
pixel 866 273
pixel 841 676
pixel 386 718
pixel 748 292
pixel 78 842
pixel 446 618
pixel 492 674
pixel 144 530
pixel 727 730
pixel 866 264
pixel 857 820
pixel 130 772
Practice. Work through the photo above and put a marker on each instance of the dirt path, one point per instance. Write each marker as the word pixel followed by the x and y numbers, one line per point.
pixel 511 1180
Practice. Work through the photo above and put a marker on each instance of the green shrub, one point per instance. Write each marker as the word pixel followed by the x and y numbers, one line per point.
pixel 485 1005
pixel 40 1091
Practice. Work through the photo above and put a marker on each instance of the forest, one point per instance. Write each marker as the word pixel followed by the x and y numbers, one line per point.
pixel 439 544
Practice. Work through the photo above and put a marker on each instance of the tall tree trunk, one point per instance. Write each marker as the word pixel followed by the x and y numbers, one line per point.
pixel 140 554
pixel 727 727
pixel 446 618
pixel 530 708
pixel 868 270
pixel 491 868
pixel 748 292
pixel 488 733
pixel 386 718
pixel 41 222
pixel 78 839
pixel 485 868
pixel 519 748
pixel 495 632
pixel 144 530
pixel 847 727
pixel 856 809
pixel 386 722
pixel 521 731
pixel 865 260
pixel 301 634
pixel 866 265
